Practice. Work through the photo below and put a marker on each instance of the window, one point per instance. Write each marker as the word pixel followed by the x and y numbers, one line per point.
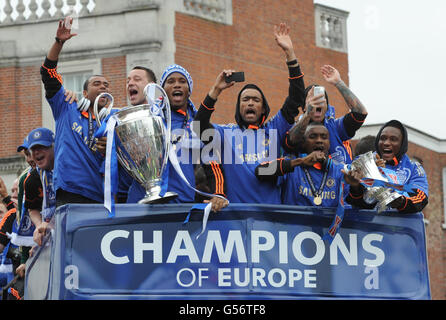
pixel 75 81
pixel 74 74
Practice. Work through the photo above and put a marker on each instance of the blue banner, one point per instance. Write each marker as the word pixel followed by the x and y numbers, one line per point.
pixel 246 252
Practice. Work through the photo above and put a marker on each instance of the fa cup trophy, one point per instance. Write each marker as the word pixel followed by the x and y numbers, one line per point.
pixel 382 195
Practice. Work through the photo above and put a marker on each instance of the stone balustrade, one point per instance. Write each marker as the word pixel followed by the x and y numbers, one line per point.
pixel 27 11
pixel 215 10
pixel 20 11
pixel 331 28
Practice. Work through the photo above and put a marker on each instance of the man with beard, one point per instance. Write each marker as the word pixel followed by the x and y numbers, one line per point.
pixel 316 110
pixel 252 140
pixel 312 179
pixel 78 157
pixel 391 144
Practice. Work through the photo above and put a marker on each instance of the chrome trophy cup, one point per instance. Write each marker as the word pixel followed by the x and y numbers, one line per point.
pixel 142 137
pixel 383 196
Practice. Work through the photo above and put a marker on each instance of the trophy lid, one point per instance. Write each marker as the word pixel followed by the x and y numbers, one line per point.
pixel 133 112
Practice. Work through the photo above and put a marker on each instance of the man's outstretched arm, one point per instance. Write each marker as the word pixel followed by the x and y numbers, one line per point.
pixel 353 120
pixel 296 90
pixel 50 78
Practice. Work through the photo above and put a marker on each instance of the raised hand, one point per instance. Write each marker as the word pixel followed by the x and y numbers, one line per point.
pixel 283 40
pixel 220 84
pixel 282 36
pixel 64 29
pixel 312 102
pixel 330 74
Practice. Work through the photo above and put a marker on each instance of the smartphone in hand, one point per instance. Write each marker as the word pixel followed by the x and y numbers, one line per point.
pixel 318 90
pixel 235 76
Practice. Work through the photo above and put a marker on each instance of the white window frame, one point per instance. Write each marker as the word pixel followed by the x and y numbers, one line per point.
pixel 93 66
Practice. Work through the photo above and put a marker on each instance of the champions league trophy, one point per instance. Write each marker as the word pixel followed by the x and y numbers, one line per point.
pixel 383 196
pixel 143 140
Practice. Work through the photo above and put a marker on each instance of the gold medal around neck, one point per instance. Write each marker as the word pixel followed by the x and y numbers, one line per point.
pixel 317 200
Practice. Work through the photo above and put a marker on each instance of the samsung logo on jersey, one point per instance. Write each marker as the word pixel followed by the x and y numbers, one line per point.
pixel 234 248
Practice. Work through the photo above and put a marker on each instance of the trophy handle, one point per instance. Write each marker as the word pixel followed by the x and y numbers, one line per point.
pixel 101 115
pixel 161 104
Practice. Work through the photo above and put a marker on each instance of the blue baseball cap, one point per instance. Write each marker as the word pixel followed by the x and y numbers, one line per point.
pixel 24 145
pixel 40 136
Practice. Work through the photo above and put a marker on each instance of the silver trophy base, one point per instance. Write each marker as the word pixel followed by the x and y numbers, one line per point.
pixel 383 196
pixel 153 196
pixel 388 198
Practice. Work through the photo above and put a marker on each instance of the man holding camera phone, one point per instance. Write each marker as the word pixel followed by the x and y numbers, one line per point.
pixel 341 129
pixel 240 157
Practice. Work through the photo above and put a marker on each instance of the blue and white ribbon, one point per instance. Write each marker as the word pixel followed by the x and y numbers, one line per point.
pixel 339 216
pixel 5 263
pixel 206 208
pixel 111 167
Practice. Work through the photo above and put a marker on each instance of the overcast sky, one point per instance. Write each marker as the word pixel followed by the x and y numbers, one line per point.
pixel 397 56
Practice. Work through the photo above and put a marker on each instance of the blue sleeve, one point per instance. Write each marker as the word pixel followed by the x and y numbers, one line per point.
pixel 340 129
pixel 418 178
pixel 281 125
pixel 59 105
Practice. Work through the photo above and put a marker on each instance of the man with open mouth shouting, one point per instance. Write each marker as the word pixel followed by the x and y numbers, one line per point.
pixel 317 107
pixel 252 140
pixel 391 144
